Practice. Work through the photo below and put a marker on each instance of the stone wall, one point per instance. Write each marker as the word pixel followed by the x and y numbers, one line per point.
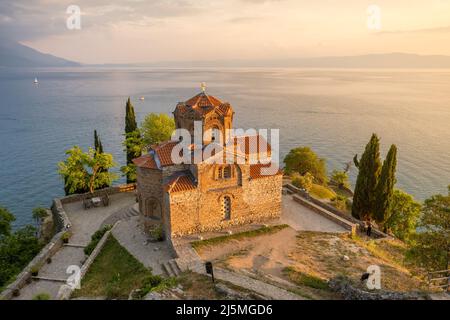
pixel 150 190
pixel 350 292
pixel 199 211
pixel 111 190
pixel 375 232
pixel 62 224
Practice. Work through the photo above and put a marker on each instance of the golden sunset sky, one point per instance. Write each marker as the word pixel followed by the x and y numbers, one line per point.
pixel 132 31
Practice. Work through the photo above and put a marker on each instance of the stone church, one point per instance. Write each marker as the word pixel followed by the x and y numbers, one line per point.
pixel 207 195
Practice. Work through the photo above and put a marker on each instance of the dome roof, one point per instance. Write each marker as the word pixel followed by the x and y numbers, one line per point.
pixel 202 104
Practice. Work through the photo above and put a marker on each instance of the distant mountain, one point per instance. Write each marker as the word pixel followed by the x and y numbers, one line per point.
pixel 13 54
pixel 390 60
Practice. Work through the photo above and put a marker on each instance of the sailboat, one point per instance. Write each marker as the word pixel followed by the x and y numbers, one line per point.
pixel 36 81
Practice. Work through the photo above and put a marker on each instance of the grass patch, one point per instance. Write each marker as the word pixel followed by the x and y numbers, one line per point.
pixel 114 273
pixel 303 279
pixel 246 234
pixel 322 192
pixel 95 239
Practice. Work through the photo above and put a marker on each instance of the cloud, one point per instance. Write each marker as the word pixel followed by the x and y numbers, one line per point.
pixel 23 20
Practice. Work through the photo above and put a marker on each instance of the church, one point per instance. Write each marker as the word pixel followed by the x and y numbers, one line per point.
pixel 213 193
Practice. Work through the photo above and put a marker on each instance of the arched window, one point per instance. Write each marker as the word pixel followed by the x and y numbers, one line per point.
pixel 226 208
pixel 227 172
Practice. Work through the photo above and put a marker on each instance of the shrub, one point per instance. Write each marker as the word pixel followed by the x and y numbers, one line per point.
pixel 322 192
pixel 340 178
pixel 42 296
pixel 96 237
pixel 303 160
pixel 157 233
pixel 34 271
pixel 65 237
pixel 340 202
pixel 303 182
pixel 155 283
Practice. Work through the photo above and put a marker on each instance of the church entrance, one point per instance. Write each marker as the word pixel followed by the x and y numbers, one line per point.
pixel 152 208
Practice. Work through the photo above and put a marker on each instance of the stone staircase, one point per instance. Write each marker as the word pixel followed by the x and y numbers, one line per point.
pixel 171 268
pixel 122 214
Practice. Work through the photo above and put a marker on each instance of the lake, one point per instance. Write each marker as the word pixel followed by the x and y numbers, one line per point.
pixel 332 111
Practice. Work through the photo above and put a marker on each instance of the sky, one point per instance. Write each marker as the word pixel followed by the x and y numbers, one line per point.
pixel 140 31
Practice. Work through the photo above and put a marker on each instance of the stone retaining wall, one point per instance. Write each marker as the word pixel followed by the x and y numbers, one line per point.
pixel 375 232
pixel 329 215
pixel 65 290
pixel 62 224
pixel 111 190
pixel 22 278
pixel 350 292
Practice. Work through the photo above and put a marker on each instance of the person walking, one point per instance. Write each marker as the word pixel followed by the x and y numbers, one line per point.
pixel 369 228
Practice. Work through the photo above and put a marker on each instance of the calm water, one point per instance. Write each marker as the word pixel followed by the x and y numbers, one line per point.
pixel 333 111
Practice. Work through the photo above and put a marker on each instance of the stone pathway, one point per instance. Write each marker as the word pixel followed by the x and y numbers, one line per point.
pixel 302 218
pixel 133 238
pixel 84 224
pixel 260 287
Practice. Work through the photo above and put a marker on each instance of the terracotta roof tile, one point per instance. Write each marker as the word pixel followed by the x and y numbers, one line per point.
pixel 145 161
pixel 256 172
pixel 180 183
pixel 203 104
pixel 164 152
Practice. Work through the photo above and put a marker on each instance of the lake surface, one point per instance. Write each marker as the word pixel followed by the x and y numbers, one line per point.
pixel 333 111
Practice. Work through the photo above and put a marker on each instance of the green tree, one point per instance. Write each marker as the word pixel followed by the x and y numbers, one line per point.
pixel 157 128
pixel 369 170
pixel 97 143
pixel 6 218
pixel 131 134
pixel 98 147
pixel 39 214
pixel 133 145
pixel 130 117
pixel 303 160
pixel 432 243
pixel 340 178
pixel 304 182
pixel 384 191
pixel 16 251
pixel 86 170
pixel 403 216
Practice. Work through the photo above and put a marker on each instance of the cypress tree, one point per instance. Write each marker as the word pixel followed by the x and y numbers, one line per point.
pixel 130 118
pixel 99 149
pixel 97 143
pixel 384 191
pixel 369 170
pixel 131 129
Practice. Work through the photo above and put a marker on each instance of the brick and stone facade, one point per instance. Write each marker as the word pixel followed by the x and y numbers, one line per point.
pixel 205 196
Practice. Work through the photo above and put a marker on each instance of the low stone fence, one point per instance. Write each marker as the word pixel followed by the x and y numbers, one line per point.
pixel 62 224
pixel 329 215
pixel 24 277
pixel 351 292
pixel 359 224
pixel 65 291
pixel 110 190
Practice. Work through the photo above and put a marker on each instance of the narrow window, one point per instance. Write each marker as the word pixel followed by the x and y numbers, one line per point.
pixel 227 172
pixel 226 208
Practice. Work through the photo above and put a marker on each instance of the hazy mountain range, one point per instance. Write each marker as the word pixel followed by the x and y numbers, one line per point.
pixel 13 54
